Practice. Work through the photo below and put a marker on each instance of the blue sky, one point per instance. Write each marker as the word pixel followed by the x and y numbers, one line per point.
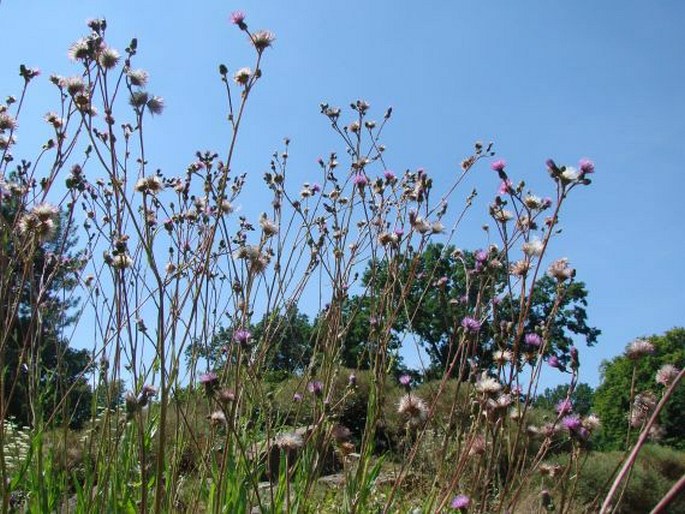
pixel 541 79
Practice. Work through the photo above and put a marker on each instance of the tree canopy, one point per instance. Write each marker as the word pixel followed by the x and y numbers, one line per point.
pixel 37 306
pixel 442 285
pixel 612 399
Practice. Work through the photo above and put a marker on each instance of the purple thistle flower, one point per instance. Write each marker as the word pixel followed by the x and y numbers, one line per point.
pixel 554 361
pixel 460 502
pixel 208 378
pixel 315 387
pixel 499 165
pixel 564 407
pixel 481 256
pixel 242 336
pixel 360 180
pixel 470 325
pixel 546 203
pixel 297 397
pixel 389 175
pixel 352 379
pixel 504 187
pixel 405 380
pixel 399 232
pixel 316 187
pixel 571 423
pixel 238 18
pixel 551 164
pixel 586 166
pixel 533 339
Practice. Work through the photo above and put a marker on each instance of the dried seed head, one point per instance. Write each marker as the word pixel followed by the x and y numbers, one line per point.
pixel 413 408
pixel 108 58
pixel 137 77
pixel 666 374
pixel 639 348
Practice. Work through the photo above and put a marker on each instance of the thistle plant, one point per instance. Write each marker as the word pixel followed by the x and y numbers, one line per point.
pixel 190 302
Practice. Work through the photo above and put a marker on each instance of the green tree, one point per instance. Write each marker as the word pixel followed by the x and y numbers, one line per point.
pixel 37 304
pixel 612 399
pixel 441 286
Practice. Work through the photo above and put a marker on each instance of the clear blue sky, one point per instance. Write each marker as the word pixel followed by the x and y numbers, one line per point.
pixel 542 79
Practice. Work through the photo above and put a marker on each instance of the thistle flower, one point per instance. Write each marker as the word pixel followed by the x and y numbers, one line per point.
pixel 268 227
pixel 155 105
pixel 560 270
pixel 53 119
pixel 389 175
pixel 360 180
pixel 533 339
pixel 226 207
pixel 666 374
pixel 108 58
pixel 289 441
pixel 639 348
pixel 532 202
pixel 7 122
pixel 217 418
pixel 405 380
pixel 437 227
pixel 209 380
pixel 137 77
pixel 570 174
pixel 592 422
pixel 262 40
pixel 242 336
pixel 571 423
pixel 461 502
pixel 138 99
pixel 550 470
pixel 421 225
pixel 413 408
pixel 152 184
pixel 499 165
pixel 488 385
pixel 564 407
pixel 73 85
pixel 586 166
pixel 226 396
pixel 238 18
pixel 502 356
pixel 79 50
pixel 504 187
pixel 315 387
pixel 470 325
pixel 121 261
pixel 520 268
pixel 554 362
pixel 242 76
pixel 533 248
pixel 500 214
